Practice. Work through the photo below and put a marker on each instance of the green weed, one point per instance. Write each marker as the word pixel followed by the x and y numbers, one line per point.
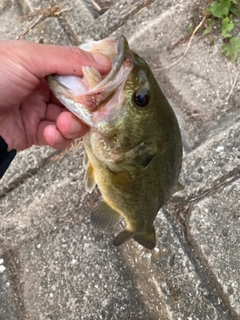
pixel 225 11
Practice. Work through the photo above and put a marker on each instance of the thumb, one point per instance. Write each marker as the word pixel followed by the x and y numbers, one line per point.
pixel 42 59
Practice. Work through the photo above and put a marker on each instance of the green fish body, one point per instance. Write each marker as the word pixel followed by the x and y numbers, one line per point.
pixel 133 147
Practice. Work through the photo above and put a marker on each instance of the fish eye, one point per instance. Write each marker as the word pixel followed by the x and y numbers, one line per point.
pixel 141 97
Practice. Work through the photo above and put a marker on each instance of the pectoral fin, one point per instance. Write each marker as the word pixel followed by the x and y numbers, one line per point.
pixel 143 160
pixel 103 216
pixel 90 182
pixel 142 154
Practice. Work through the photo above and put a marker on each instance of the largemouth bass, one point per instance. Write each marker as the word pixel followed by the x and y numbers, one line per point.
pixel 133 147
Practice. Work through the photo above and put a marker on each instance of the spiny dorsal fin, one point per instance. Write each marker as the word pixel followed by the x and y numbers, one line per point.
pixel 103 216
pixel 89 178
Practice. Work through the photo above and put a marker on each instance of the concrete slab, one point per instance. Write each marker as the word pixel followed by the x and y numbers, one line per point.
pixel 214 224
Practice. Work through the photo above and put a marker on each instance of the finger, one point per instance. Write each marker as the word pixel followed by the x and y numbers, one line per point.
pixel 48 134
pixel 71 127
pixel 59 59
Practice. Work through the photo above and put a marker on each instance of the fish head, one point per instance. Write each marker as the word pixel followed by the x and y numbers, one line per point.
pixel 119 106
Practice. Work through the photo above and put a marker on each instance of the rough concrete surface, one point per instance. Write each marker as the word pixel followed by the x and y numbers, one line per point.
pixel 53 264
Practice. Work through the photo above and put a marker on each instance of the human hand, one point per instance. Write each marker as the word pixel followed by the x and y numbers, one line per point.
pixel 29 113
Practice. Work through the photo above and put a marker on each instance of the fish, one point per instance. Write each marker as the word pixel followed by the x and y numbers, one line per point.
pixel 133 147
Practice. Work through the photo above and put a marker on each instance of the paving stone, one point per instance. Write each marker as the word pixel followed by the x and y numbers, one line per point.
pixel 213 163
pixel 214 224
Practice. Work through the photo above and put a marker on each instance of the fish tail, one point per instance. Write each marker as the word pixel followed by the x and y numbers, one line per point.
pixel 123 237
pixel 146 239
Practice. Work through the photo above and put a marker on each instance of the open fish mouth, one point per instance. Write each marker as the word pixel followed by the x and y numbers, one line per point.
pixel 93 97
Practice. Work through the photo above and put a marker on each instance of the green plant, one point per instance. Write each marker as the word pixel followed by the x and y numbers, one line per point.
pixel 226 11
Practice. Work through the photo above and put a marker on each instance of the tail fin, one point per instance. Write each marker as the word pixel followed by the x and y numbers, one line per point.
pixel 123 237
pixel 147 240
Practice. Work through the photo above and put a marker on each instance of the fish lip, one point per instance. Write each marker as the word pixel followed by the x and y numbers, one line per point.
pixel 123 50
pixel 95 98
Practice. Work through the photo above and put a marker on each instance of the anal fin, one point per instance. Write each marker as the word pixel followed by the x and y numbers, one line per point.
pixel 103 216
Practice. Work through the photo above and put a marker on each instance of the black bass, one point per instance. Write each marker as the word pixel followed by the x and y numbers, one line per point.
pixel 133 147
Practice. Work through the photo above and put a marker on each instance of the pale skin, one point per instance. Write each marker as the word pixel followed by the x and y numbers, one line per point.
pixel 29 113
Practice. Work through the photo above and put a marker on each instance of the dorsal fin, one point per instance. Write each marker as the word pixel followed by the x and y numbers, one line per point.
pixel 103 216
pixel 90 182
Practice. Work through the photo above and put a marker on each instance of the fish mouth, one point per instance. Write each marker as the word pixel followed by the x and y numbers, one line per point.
pixel 100 100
